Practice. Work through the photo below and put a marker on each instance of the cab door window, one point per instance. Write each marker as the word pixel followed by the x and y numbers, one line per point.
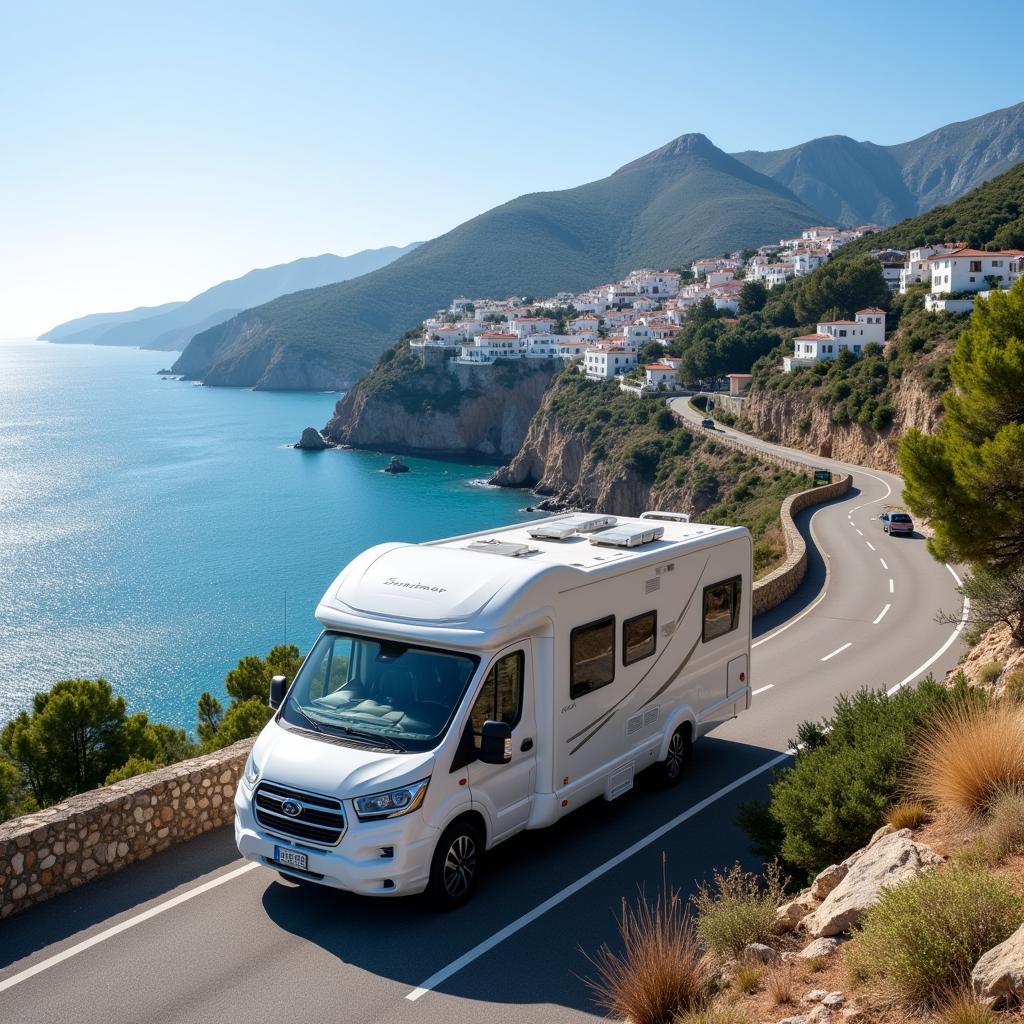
pixel 501 697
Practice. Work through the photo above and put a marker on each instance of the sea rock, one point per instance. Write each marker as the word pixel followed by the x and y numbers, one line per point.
pixel 790 914
pixel 998 977
pixel 761 953
pixel 827 880
pixel 312 440
pixel 819 947
pixel 892 859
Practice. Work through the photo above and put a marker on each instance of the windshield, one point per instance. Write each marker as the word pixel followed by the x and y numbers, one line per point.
pixel 388 693
pixel 899 517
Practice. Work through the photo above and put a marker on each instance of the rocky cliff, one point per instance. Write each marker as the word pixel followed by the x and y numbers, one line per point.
pixel 404 405
pixel 798 420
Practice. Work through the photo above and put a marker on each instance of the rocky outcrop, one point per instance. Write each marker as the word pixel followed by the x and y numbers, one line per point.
pixel 998 977
pixel 312 441
pixel 797 420
pixel 468 411
pixel 995 647
pixel 100 832
pixel 892 859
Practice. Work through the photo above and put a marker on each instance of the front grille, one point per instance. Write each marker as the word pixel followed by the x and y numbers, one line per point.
pixel 320 819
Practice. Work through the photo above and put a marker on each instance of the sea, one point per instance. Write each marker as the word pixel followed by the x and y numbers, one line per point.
pixel 154 531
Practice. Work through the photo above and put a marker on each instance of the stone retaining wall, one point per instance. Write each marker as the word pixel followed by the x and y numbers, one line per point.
pixel 782 582
pixel 99 832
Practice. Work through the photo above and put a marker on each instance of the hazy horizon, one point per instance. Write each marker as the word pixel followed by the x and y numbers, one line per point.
pixel 160 152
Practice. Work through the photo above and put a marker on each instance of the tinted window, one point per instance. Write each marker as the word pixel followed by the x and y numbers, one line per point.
pixel 721 608
pixel 639 637
pixel 900 517
pixel 592 657
pixel 501 698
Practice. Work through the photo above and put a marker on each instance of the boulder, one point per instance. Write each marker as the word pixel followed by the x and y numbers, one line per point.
pixel 790 914
pixel 825 881
pixel 892 859
pixel 819 947
pixel 881 833
pixel 816 995
pixel 761 953
pixel 998 977
pixel 312 440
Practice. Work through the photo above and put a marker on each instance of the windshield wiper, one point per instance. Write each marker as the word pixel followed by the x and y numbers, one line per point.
pixel 315 726
pixel 372 737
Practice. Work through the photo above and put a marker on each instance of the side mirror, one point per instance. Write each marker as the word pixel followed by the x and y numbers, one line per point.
pixel 278 688
pixel 495 743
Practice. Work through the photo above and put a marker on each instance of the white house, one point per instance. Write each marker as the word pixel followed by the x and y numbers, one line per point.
pixel 660 283
pixel 718 276
pixel 524 325
pixel 974 270
pixel 806 260
pixel 579 324
pixel 607 363
pixel 817 232
pixel 546 345
pixel 490 345
pixel 917 269
pixel 832 336
pixel 893 262
pixel 656 374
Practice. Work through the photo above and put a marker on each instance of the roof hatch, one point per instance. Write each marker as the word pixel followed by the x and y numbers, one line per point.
pixel 500 547
pixel 563 527
pixel 632 535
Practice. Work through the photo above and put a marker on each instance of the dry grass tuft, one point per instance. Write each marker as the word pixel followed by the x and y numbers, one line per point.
pixel 718 1013
pixel 989 673
pixel 781 987
pixel 907 814
pixel 1013 685
pixel 748 978
pixel 817 964
pixel 660 970
pixel 1004 833
pixel 963 1008
pixel 970 754
pixel 738 908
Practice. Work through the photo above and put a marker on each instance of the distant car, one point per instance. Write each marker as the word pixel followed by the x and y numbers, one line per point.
pixel 709 423
pixel 896 522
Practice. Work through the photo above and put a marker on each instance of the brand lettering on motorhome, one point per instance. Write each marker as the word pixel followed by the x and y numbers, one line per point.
pixel 410 585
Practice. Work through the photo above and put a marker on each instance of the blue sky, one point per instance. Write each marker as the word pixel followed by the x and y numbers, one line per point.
pixel 151 151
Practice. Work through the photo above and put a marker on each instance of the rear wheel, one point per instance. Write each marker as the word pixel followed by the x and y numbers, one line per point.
pixel 455 866
pixel 680 749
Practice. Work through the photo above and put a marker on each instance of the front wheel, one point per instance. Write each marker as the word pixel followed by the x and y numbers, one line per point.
pixel 680 749
pixel 455 866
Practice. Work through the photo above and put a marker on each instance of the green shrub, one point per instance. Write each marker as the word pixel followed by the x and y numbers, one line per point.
pixel 132 767
pixel 848 771
pixel 924 936
pixel 738 908
pixel 1013 684
pixel 1004 832
pixel 989 673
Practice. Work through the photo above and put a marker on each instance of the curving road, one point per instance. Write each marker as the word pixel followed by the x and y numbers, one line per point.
pixel 196 935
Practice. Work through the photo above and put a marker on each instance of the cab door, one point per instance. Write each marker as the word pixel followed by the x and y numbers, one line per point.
pixel 505 791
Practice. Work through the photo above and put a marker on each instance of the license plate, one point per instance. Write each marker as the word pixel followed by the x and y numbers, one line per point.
pixel 291 858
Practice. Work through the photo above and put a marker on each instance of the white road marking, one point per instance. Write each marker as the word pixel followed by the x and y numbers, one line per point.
pixel 884 566
pixel 439 977
pixel 762 689
pixel 921 669
pixel 891 587
pixel 123 926
pixel 881 615
pixel 861 532
pixel 870 545
pixel 838 650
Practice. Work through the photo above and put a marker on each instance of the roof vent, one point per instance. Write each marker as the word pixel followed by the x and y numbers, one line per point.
pixel 668 517
pixel 632 536
pixel 563 527
pixel 499 547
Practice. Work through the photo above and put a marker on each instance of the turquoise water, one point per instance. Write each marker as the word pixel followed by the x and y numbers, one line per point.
pixel 153 532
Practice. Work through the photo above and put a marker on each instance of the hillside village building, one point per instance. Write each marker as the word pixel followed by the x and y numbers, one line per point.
pixel 607 363
pixel 832 336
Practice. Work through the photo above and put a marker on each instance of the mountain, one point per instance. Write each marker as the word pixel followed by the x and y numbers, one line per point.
pixel 96 323
pixel 170 327
pixel 681 201
pixel 852 182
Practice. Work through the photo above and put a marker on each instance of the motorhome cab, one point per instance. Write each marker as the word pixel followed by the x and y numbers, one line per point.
pixel 469 688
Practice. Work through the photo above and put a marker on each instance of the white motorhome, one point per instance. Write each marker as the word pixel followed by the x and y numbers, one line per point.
pixel 469 688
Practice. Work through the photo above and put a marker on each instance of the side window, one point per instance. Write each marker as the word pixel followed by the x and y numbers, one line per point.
pixel 592 663
pixel 721 608
pixel 639 637
pixel 501 698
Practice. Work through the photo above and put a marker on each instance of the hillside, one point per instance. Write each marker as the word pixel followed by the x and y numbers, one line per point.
pixel 170 327
pixel 681 201
pixel 853 182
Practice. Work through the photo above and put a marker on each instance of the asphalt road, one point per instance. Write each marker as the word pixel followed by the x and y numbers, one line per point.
pixel 196 935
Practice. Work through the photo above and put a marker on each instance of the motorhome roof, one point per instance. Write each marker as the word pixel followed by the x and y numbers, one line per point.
pixel 465 589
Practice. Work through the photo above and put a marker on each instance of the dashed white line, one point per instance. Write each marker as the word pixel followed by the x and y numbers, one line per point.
pixel 881 615
pixel 838 650
pixel 123 926
pixel 884 566
pixel 891 586
pixel 861 532
pixel 762 689
pixel 870 545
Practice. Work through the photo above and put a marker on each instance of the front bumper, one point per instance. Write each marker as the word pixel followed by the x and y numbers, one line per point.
pixel 359 863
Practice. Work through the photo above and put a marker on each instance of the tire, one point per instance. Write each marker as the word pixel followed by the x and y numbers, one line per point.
pixel 680 750
pixel 455 866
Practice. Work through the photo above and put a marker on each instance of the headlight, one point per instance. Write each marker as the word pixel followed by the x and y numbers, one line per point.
pixel 392 804
pixel 251 773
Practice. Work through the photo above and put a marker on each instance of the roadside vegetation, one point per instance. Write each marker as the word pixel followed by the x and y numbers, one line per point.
pixel 78 735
